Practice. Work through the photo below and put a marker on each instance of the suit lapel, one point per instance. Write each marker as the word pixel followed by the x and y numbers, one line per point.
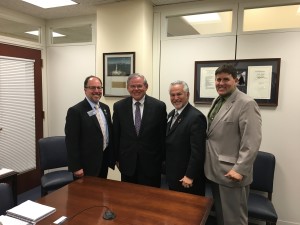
pixel 93 117
pixel 223 111
pixel 179 120
pixel 146 113
pixel 128 113
pixel 170 117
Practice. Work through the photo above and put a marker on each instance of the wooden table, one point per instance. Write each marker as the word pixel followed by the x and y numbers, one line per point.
pixel 11 178
pixel 84 202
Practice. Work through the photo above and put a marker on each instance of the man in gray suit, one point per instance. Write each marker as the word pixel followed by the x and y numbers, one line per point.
pixel 233 139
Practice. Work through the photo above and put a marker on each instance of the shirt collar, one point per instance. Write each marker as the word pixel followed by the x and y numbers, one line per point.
pixel 142 101
pixel 180 110
pixel 92 104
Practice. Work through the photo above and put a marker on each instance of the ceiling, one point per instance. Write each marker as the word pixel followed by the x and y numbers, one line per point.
pixel 84 7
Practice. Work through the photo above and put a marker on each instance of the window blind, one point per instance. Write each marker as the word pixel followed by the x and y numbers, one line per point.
pixel 17 114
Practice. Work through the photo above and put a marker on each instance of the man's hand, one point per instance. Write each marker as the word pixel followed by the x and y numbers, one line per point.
pixel 186 182
pixel 232 175
pixel 79 173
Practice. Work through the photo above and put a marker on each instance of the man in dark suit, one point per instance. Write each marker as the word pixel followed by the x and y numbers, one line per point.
pixel 185 143
pixel 233 140
pixel 88 138
pixel 139 124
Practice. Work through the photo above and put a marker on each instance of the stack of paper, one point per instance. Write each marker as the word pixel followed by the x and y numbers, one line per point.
pixel 30 211
pixel 6 220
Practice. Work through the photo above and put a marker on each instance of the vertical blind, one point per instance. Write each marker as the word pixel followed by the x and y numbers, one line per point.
pixel 17 114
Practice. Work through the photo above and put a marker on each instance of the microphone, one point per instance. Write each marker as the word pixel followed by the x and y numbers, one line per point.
pixel 109 215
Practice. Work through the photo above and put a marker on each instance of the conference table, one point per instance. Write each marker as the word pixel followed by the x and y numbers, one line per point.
pixel 85 201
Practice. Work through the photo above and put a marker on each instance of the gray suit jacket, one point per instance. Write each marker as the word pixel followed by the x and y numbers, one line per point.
pixel 233 140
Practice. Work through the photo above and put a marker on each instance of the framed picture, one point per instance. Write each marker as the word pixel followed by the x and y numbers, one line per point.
pixel 258 78
pixel 117 66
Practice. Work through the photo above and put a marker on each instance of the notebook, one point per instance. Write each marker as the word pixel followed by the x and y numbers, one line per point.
pixel 7 220
pixel 30 211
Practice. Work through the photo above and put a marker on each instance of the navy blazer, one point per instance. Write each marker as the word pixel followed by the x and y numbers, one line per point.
pixel 185 145
pixel 148 146
pixel 84 138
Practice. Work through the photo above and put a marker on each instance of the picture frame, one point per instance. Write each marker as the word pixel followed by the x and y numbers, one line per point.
pixel 258 78
pixel 117 66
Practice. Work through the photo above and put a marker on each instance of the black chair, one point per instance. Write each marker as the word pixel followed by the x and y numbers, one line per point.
pixel 53 155
pixel 260 206
pixel 6 196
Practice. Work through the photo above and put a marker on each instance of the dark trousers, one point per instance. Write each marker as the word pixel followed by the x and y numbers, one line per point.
pixel 141 178
pixel 104 167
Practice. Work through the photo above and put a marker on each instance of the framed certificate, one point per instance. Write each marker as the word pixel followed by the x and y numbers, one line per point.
pixel 258 78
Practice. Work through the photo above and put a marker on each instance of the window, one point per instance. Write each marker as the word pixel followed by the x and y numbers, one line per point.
pixel 204 23
pixel 13 29
pixel 270 18
pixel 72 34
pixel 17 114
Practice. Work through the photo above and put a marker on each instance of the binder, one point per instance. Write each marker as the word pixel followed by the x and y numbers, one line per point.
pixel 30 211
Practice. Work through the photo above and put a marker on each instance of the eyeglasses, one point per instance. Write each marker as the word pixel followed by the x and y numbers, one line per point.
pixel 136 86
pixel 94 88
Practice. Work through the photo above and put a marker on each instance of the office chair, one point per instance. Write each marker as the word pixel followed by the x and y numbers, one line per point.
pixel 260 206
pixel 53 155
pixel 6 196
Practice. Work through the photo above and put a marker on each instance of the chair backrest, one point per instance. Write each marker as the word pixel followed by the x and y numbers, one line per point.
pixel 263 172
pixel 53 152
pixel 6 196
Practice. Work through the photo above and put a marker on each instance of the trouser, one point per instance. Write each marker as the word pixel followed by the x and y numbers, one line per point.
pixel 231 204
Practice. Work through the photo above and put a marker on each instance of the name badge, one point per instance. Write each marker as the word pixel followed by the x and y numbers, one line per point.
pixel 91 112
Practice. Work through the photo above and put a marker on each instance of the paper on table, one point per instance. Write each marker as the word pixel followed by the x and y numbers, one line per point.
pixel 6 220
pixel 30 211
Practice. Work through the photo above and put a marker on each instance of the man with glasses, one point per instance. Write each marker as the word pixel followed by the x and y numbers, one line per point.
pixel 88 132
pixel 139 127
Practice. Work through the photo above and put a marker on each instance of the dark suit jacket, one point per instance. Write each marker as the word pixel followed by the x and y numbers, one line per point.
pixel 185 146
pixel 148 147
pixel 84 139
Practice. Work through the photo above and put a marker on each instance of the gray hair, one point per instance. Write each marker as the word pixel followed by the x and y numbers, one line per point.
pixel 185 86
pixel 135 75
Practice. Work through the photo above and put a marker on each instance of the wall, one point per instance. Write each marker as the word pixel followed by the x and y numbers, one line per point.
pixel 174 59
pixel 280 130
pixel 125 27
pixel 66 71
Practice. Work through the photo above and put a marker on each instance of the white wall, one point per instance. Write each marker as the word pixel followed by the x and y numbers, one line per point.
pixel 67 67
pixel 280 125
pixel 281 128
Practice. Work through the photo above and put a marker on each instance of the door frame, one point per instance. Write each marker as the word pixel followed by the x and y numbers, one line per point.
pixel 30 179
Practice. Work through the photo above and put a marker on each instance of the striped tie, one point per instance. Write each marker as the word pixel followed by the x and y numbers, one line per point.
pixel 138 118
pixel 103 129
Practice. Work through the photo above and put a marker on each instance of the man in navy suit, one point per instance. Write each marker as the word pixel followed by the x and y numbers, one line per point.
pixel 139 142
pixel 89 148
pixel 185 143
